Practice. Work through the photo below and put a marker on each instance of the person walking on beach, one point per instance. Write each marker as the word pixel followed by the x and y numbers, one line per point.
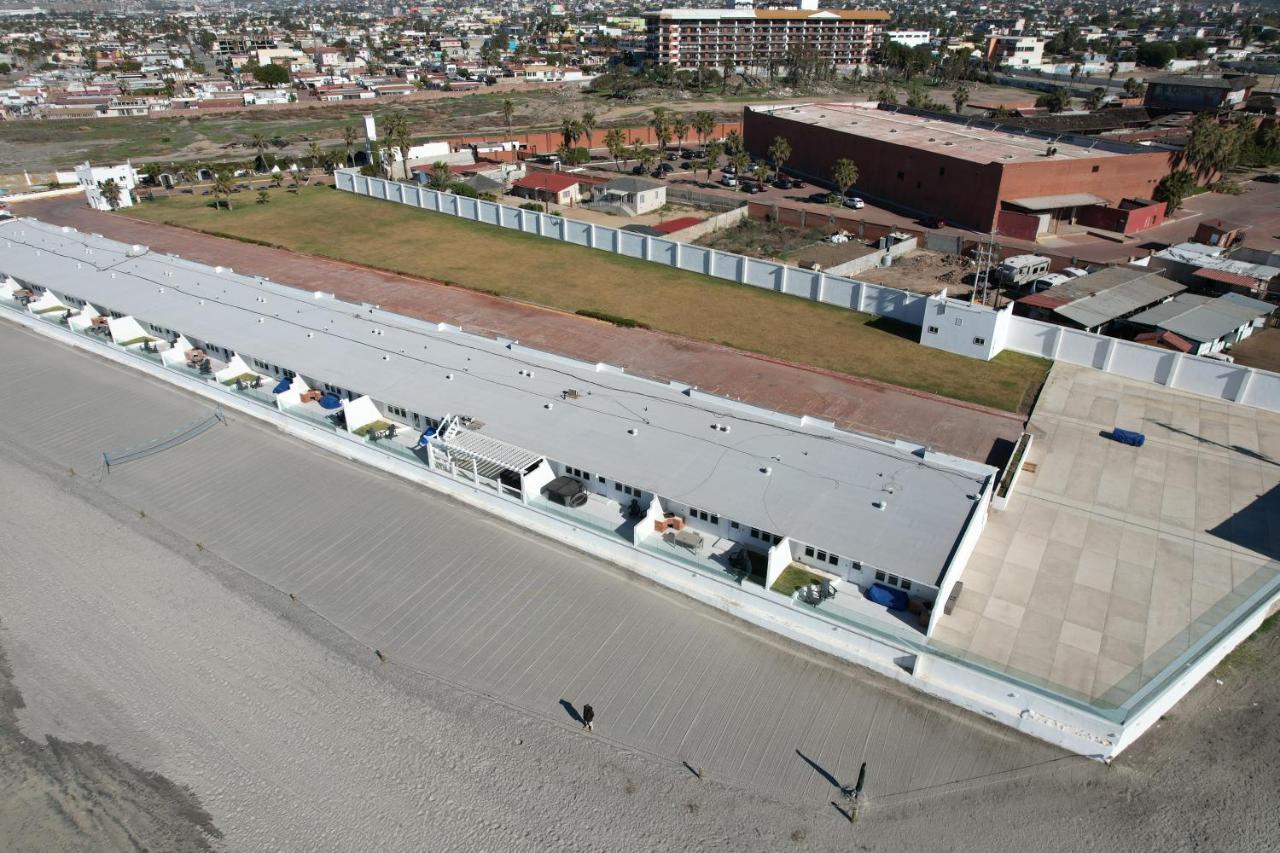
pixel 588 714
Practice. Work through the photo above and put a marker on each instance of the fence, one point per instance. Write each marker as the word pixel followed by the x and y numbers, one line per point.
pixel 711 224
pixel 766 275
pixel 1195 374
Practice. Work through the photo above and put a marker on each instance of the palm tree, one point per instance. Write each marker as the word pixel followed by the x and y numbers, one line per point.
pixel 349 137
pixel 260 143
pixel 440 175
pixel 705 124
pixel 569 131
pixel 779 152
pixel 960 97
pixel 277 179
pixel 314 153
pixel 740 160
pixel 263 196
pixel 661 125
pixel 222 187
pixel 588 124
pixel 508 110
pixel 714 151
pixel 295 176
pixel 844 174
pixel 680 127
pixel 111 192
pixel 732 142
pixel 398 137
pixel 616 143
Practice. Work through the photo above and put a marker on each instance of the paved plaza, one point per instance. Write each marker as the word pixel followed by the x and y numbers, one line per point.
pixel 1111 560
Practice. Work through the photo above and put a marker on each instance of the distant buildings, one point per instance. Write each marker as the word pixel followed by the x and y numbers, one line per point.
pixel 761 38
pixel 1015 51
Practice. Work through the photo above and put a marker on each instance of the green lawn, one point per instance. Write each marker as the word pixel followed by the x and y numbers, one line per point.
pixel 794 577
pixel 323 221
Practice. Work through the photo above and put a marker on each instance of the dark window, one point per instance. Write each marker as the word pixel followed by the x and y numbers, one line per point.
pixel 880 576
pixel 933 330
pixel 1095 168
pixel 980 341
pixel 808 550
pixel 906 584
pixel 833 559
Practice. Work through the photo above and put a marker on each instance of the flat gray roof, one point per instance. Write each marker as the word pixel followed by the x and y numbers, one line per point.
pixel 822 483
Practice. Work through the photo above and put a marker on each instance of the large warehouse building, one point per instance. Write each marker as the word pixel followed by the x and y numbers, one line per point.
pixel 967 172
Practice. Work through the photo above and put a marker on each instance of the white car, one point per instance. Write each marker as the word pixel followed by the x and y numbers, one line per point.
pixel 855 202
pixel 728 180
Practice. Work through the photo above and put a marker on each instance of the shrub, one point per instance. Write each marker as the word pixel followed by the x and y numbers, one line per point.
pixel 624 322
pixel 532 205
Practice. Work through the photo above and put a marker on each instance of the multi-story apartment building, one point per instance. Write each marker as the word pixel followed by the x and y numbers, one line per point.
pixel 1015 51
pixel 747 38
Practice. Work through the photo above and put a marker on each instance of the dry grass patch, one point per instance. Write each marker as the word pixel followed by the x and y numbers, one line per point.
pixel 323 221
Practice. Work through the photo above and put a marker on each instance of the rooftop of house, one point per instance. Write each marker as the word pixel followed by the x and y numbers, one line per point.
pixel 549 181
pixel 1230 84
pixel 1103 296
pixel 1203 319
pixel 868 15
pixel 963 140
pixel 891 505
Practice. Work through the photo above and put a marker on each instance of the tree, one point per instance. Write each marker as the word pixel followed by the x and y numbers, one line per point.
pixel 263 196
pixel 223 184
pixel 704 124
pixel 1212 147
pixel 732 142
pixel 315 154
pixel 1156 54
pixel 617 145
pixel 588 124
pixel 1096 96
pixel 680 128
pixel 844 174
pixel 960 97
pixel 779 152
pixel 271 75
pixel 277 179
pixel 153 172
pixel 887 94
pixel 399 138
pixel 646 156
pixel 1134 88
pixel 440 175
pixel 260 143
pixel 508 110
pixel 110 192
pixel 570 131
pixel 1056 101
pixel 661 124
pixel 740 160
pixel 349 137
pixel 715 150
pixel 1173 188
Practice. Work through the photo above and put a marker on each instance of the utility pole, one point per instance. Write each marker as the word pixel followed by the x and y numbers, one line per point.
pixel 984 256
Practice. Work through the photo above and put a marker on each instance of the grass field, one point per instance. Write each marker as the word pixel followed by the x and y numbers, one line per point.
pixel 323 221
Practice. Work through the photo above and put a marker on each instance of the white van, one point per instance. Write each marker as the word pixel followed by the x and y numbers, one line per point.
pixel 1020 269
pixel 1047 281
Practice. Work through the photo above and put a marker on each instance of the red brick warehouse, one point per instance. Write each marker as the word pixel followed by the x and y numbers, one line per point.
pixel 933 164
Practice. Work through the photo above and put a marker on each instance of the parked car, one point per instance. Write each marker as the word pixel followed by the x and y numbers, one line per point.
pixel 751 187
pixel 637 169
pixel 666 167
pixel 1270 178
pixel 820 198
pixel 855 203
pixel 730 169
pixel 783 183
pixel 728 179
pixel 673 155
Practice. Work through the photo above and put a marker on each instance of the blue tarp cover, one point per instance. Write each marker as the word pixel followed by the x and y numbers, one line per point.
pixel 282 386
pixel 894 599
pixel 1126 436
pixel 330 401
pixel 426 436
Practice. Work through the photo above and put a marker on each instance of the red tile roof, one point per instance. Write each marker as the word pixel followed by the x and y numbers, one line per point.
pixel 549 181
pixel 1167 338
pixel 673 225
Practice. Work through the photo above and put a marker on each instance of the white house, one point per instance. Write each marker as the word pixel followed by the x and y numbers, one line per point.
pixel 92 179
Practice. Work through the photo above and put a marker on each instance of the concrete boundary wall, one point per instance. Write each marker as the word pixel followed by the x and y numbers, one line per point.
pixel 970 685
pixel 756 272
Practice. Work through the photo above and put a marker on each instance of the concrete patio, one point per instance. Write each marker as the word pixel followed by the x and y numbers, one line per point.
pixel 1112 560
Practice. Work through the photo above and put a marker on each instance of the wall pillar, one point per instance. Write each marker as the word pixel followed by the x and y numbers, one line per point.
pixel 1171 377
pixel 742 269
pixel 711 262
pixel 1243 391
pixel 1058 336
pixel 821 295
pixel 860 295
pixel 1111 351
pixel 676 255
pixel 647 248
pixel 591 235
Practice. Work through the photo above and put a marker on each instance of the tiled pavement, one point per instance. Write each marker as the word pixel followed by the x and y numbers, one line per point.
pixel 1111 560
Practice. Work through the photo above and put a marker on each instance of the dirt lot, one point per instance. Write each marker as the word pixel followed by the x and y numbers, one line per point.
pixel 1261 350
pixel 325 222
pixel 923 271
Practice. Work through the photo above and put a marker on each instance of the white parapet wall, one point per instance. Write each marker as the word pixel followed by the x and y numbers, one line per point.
pixel 969 684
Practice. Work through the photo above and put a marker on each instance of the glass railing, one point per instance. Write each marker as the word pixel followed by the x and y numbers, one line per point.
pixel 577 518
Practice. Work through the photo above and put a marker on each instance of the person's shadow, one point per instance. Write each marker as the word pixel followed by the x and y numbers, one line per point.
pixel 571 711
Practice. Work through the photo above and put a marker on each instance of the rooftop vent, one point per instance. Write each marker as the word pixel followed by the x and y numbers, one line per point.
pixel 632 431
pixel 449 376
pixel 881 505
pixel 766 470
pixel 548 406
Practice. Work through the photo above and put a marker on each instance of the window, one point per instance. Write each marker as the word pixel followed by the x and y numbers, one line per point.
pixel 396 410
pixel 933 330
pixel 822 556
pixel 577 472
pixel 808 550
pixel 704 515
pixel 906 584
pixel 880 576
pixel 734 525
pixel 980 342
pixel 602 479
pixel 893 579
pixel 1095 168
pixel 832 559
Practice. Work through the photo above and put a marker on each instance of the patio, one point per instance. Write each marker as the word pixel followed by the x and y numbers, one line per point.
pixel 598 512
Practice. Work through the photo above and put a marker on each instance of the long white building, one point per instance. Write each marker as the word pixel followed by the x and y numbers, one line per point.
pixel 667 468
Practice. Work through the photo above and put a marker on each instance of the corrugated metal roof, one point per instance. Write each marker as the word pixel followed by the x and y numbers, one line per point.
pixel 1204 320
pixel 1098 298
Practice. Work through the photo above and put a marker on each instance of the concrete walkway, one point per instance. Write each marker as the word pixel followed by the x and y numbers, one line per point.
pixel 460 596
pixel 961 428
